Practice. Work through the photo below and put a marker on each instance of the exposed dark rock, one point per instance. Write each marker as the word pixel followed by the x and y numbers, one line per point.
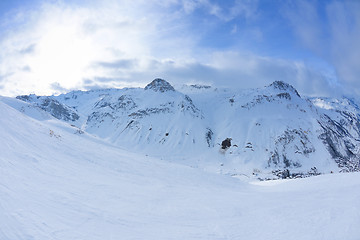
pixel 145 112
pixel 226 143
pixel 52 106
pixel 124 102
pixel 284 95
pixel 98 117
pixel 340 143
pixel 260 99
pixel 292 140
pixel 280 85
pixel 200 86
pixel 285 173
pixel 159 85
pixel 209 134
pixel 188 106
pixel 25 98
pixel 58 110
pixel 249 145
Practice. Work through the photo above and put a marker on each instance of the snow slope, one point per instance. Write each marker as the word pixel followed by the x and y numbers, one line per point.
pixel 58 183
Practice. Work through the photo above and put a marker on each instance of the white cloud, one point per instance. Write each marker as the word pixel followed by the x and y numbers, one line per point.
pixel 332 31
pixel 128 43
pixel 66 39
pixel 249 70
pixel 190 6
pixel 240 8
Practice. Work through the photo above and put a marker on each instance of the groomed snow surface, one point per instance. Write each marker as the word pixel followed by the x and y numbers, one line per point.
pixel 56 184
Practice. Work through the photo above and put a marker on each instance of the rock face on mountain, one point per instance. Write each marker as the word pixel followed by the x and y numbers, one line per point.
pixel 159 85
pixel 284 87
pixel 340 123
pixel 271 129
pixel 52 106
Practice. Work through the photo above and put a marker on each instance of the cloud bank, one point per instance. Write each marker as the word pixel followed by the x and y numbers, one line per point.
pixel 56 47
pixel 332 31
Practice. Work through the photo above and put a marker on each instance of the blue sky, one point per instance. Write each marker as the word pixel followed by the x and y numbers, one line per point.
pixel 48 47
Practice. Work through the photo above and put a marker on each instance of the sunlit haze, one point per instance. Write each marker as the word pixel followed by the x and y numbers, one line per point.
pixel 50 47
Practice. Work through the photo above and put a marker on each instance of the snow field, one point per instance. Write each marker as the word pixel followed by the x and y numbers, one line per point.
pixel 55 184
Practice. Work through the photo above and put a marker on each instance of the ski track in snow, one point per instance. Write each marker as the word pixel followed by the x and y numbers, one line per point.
pixel 55 184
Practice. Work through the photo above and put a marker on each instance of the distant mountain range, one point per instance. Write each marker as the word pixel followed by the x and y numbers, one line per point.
pixel 266 133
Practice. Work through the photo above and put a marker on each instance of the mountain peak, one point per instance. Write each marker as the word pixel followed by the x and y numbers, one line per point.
pixel 283 86
pixel 159 85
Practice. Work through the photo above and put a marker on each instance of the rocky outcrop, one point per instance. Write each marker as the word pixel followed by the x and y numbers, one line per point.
pixel 291 141
pixel 159 85
pixel 52 106
pixel 284 87
pixel 226 143
pixel 343 147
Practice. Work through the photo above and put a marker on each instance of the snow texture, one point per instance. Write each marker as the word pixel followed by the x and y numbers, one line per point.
pixel 58 184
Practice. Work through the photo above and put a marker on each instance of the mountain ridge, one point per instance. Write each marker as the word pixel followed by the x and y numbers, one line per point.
pixel 272 129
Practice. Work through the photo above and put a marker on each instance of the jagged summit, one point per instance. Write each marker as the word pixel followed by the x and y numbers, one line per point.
pixel 52 106
pixel 283 86
pixel 159 85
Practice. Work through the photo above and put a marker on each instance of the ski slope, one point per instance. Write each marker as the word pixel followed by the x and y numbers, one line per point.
pixel 58 184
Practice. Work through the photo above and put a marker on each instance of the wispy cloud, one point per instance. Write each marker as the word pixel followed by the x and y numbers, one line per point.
pixel 28 50
pixel 239 70
pixel 118 64
pixel 63 45
pixel 238 8
pixel 332 30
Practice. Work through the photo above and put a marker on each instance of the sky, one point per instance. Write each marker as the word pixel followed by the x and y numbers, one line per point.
pixel 55 46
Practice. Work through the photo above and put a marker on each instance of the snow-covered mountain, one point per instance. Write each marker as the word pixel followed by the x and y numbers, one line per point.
pixel 57 182
pixel 270 130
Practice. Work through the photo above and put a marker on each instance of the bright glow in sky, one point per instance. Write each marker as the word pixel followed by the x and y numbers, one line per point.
pixel 49 47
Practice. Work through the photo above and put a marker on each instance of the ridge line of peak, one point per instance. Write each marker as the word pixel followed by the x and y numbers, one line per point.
pixel 284 86
pixel 160 85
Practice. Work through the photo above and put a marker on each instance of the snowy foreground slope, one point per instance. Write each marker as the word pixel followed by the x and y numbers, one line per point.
pixel 56 183
pixel 271 132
